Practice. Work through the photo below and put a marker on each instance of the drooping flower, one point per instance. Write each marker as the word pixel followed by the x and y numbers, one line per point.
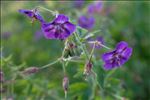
pixel 99 40
pixel 59 28
pixel 117 57
pixel 33 14
pixel 86 22
pixel 95 7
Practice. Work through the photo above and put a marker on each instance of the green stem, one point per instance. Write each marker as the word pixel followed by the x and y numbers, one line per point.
pixel 92 52
pixel 63 65
pixel 108 75
pixel 53 12
pixel 82 45
pixel 52 63
pixel 104 46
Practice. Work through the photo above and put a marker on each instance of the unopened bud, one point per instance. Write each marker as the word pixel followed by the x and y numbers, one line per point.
pixel 31 70
pixel 65 83
pixel 72 45
pixel 87 69
pixel 1 76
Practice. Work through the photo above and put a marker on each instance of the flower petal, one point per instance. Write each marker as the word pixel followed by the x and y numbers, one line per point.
pixel 70 27
pixel 64 34
pixel 120 46
pixel 61 19
pixel 29 13
pixel 48 30
pixel 108 66
pixel 127 53
pixel 39 17
pixel 107 56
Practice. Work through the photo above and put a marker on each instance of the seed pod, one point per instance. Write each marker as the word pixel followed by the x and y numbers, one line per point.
pixel 30 70
pixel 87 69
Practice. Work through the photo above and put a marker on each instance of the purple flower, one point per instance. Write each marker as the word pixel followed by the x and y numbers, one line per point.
pixel 99 40
pixel 59 28
pixel 86 22
pixel 95 7
pixel 117 57
pixel 78 3
pixel 33 14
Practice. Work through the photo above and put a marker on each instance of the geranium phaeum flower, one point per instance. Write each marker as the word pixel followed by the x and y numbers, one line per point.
pixel 59 28
pixel 33 14
pixel 86 22
pixel 95 7
pixel 117 57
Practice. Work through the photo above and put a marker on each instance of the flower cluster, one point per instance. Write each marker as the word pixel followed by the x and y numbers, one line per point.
pixel 61 28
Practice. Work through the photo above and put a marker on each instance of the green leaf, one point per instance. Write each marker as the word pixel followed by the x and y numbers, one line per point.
pixel 100 73
pixel 81 31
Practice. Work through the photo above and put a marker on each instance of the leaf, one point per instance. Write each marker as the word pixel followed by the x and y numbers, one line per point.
pixel 81 31
pixel 78 87
pixel 100 73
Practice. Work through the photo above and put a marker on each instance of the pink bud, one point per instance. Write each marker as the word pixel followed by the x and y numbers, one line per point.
pixel 87 69
pixel 31 70
pixel 1 76
pixel 65 83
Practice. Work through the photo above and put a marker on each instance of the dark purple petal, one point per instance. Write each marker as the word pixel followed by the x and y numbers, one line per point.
pixel 50 34
pixel 39 17
pixel 127 53
pixel 70 27
pixel 61 19
pixel 108 56
pixel 29 13
pixel 108 66
pixel 121 45
pixel 64 34
pixel 32 14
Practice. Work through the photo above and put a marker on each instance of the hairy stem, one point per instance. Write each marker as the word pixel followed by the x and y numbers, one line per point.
pixel 52 63
pixel 82 45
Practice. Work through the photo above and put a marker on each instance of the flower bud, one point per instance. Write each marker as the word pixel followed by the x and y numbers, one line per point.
pixel 31 70
pixel 1 76
pixel 87 69
pixel 65 83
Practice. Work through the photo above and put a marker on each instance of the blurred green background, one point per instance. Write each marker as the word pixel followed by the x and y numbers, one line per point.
pixel 23 44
